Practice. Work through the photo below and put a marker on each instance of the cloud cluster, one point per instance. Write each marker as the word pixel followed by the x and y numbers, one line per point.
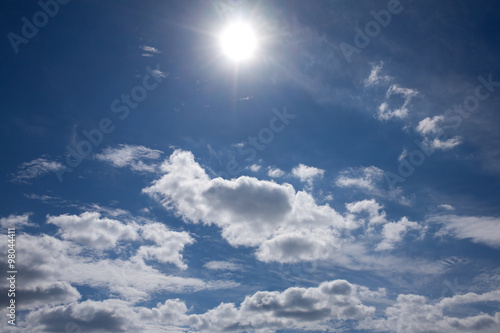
pixel 130 156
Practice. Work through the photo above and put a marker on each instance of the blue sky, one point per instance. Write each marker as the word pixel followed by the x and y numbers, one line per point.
pixel 344 178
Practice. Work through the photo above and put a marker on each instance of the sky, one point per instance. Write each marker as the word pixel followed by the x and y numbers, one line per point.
pixel 335 167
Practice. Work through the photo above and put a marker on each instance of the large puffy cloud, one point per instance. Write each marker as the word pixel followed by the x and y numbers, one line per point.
pixel 91 230
pixel 283 225
pixel 415 314
pixel 53 266
pixel 479 229
pixel 249 211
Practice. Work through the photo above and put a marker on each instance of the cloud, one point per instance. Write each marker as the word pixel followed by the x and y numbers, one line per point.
pixel 479 229
pixel 413 314
pixel 254 167
pixel 168 244
pixel 16 221
pixel 394 232
pixel 89 229
pixel 376 216
pixel 37 168
pixel 275 172
pixel 443 145
pixel 294 308
pixel 446 207
pixel 306 173
pixel 375 78
pixel 223 266
pixel 429 125
pixel 130 156
pixel 385 112
pixel 283 225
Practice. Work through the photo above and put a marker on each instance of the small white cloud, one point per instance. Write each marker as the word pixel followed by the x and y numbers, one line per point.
pixel 445 145
pixel 384 113
pixel 429 125
pixel 394 232
pixel 446 207
pixel 364 177
pixel 16 221
pixel 149 51
pixel 254 167
pixel 223 266
pixel 375 77
pixel 306 173
pixel 403 155
pixel 37 168
pixel 275 172
pixel 131 156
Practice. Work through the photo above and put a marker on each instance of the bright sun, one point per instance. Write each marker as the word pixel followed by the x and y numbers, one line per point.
pixel 238 41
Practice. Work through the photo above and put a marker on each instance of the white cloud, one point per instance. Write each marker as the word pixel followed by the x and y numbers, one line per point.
pixel 149 49
pixel 282 224
pixel 443 145
pixel 91 230
pixel 394 232
pixel 403 155
pixel 223 266
pixel 306 173
pixel 385 113
pixel 375 78
pixel 254 167
pixel 275 172
pixel 446 207
pixel 169 244
pixel 306 309
pixel 130 156
pixel 413 314
pixel 16 221
pixel 37 168
pixel 429 125
pixel 376 216
pixel 364 177
pixel 45 260
pixel 479 229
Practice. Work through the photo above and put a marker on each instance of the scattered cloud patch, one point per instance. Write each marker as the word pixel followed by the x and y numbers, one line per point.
pixel 384 110
pixel 16 221
pixel 36 168
pixel 275 172
pixel 223 266
pixel 375 78
pixel 130 156
pixel 479 229
pixel 306 173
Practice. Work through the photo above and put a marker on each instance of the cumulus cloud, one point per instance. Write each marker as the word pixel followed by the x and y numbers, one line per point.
pixel 91 230
pixel 429 125
pixel 168 244
pixel 385 112
pixel 130 156
pixel 479 229
pixel 275 172
pixel 438 144
pixel 364 177
pixel 16 221
pixel 36 168
pixel 414 314
pixel 394 232
pixel 283 225
pixel 306 173
pixel 375 77
pixel 249 211
pixel 254 167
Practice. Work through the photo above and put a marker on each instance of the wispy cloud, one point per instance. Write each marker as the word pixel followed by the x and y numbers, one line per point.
pixel 36 168
pixel 130 156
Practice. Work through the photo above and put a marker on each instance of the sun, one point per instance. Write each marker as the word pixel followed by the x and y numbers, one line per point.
pixel 238 41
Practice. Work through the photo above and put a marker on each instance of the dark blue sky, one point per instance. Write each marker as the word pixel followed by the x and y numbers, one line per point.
pixel 344 178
